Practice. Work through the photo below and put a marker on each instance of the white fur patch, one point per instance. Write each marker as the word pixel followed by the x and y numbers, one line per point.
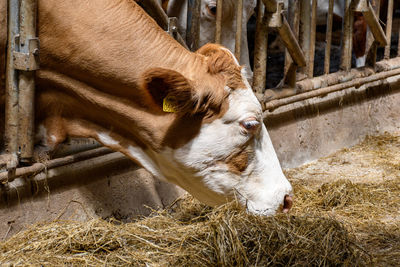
pixel 233 56
pixel 41 134
pixel 53 138
pixel 138 154
pixel 360 61
pixel 106 139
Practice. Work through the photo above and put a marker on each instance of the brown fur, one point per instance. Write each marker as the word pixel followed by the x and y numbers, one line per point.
pixel 107 65
pixel 221 62
pixel 359 34
pixel 238 163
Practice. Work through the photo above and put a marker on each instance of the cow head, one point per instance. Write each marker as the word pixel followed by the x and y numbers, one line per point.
pixel 229 155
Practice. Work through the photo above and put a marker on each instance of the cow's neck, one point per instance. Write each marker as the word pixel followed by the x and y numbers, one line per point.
pixel 93 54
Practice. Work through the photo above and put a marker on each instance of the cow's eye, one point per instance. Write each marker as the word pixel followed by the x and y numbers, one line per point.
pixel 212 10
pixel 250 125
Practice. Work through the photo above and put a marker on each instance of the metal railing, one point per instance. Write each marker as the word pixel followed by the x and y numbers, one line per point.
pixel 300 42
pixel 22 61
pixel 296 26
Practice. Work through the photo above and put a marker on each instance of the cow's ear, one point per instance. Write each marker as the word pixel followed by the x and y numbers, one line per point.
pixel 169 90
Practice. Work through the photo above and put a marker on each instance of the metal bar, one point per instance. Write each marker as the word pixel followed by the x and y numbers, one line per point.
pixel 290 67
pixel 260 50
pixel 271 5
pixel 11 90
pixel 389 28
pixel 40 167
pixel 26 83
pixel 341 77
pixel 347 39
pixel 305 27
pixel 329 23
pixel 278 22
pixel 372 45
pixel 153 8
pixel 313 25
pixel 218 22
pixel 290 41
pixel 372 21
pixel 193 24
pixel 324 91
pixel 238 35
pixel 398 42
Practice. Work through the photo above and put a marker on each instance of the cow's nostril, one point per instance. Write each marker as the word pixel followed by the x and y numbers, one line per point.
pixel 213 10
pixel 287 203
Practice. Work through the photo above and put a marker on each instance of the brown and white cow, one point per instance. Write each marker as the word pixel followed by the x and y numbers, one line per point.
pixel 107 71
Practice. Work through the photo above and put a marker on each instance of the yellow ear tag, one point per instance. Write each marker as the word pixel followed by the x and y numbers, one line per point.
pixel 169 103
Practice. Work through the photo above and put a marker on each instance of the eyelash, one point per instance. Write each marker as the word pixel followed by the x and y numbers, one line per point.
pixel 250 125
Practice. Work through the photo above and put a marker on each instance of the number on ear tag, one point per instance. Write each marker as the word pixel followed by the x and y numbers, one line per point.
pixel 169 104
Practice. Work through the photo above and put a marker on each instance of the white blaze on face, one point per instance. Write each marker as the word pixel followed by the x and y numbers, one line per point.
pixel 203 166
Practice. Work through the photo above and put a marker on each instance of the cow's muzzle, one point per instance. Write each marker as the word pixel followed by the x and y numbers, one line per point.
pixel 287 203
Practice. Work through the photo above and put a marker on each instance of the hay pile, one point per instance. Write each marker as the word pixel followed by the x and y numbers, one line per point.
pixel 333 222
pixel 196 236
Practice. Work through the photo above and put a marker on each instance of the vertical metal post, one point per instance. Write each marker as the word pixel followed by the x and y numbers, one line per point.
pixel 313 25
pixel 372 45
pixel 26 84
pixel 347 39
pixel 305 31
pixel 398 42
pixel 294 20
pixel 327 61
pixel 238 35
pixel 11 105
pixel 389 28
pixel 260 50
pixel 193 24
pixel 218 22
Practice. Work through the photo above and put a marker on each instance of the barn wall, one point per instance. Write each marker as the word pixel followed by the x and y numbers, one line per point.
pixel 314 128
pixel 106 186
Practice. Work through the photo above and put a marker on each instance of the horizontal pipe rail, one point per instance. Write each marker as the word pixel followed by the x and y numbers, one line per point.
pixel 327 90
pixel 40 167
pixel 341 77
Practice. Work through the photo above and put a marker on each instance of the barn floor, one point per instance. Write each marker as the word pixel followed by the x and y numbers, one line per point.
pixel 347 212
pixel 359 186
